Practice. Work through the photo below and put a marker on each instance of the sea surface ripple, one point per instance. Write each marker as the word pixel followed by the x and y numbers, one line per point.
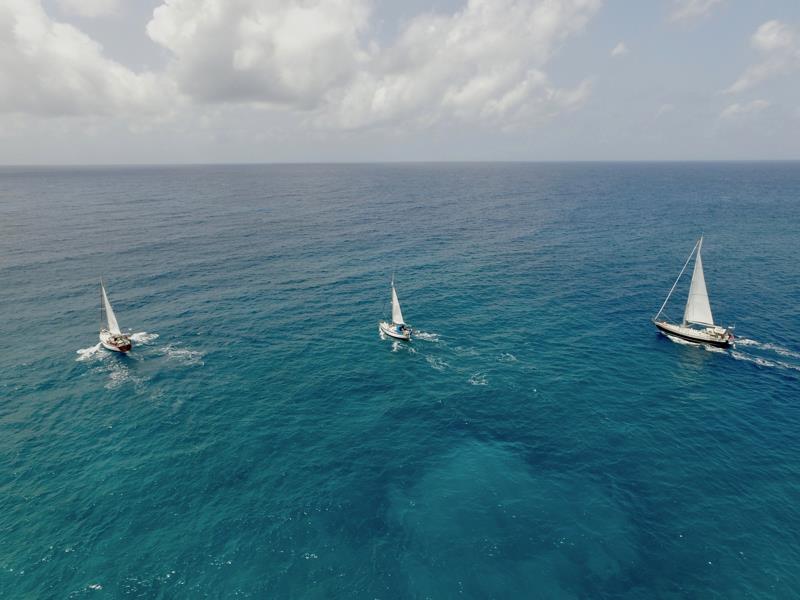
pixel 537 439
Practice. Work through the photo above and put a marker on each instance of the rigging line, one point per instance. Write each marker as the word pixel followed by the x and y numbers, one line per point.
pixel 676 281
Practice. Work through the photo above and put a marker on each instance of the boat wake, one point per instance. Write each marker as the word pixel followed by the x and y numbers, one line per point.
pixel 769 347
pixel 184 356
pixel 766 354
pixel 143 337
pixel 398 346
pixel 478 379
pixel 436 363
pixel 760 354
pixel 426 336
pixel 119 374
pixel 85 354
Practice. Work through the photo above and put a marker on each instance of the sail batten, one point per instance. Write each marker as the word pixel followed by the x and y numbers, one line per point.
pixel 397 314
pixel 111 319
pixel 698 308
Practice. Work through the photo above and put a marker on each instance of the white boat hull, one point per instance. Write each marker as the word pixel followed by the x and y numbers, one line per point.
pixel 390 329
pixel 115 343
pixel 716 336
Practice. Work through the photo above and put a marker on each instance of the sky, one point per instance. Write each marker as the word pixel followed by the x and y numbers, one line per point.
pixel 240 81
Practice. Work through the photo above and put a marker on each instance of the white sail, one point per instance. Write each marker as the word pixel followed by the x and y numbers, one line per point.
pixel 397 315
pixel 113 326
pixel 698 308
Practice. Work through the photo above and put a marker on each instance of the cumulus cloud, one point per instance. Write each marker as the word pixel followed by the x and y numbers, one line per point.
pixel 692 10
pixel 89 8
pixel 619 50
pixel 488 62
pixel 52 68
pixel 748 108
pixel 485 61
pixel 779 46
pixel 278 52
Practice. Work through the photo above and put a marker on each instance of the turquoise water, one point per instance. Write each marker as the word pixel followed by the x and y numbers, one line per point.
pixel 537 439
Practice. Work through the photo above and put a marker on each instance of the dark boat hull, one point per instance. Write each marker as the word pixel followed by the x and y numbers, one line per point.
pixel 696 340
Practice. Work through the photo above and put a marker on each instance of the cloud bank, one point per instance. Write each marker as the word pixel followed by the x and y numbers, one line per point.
pixel 53 69
pixel 486 62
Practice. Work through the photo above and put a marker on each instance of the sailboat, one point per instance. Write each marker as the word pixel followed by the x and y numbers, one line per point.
pixel 397 328
pixel 110 335
pixel 698 323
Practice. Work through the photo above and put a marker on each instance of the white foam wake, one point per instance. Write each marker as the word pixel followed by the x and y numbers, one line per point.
pixel 768 346
pixel 762 362
pixel 747 357
pixel 398 346
pixel 143 337
pixel 436 363
pixel 183 356
pixel 426 336
pixel 746 342
pixel 478 379
pixel 85 354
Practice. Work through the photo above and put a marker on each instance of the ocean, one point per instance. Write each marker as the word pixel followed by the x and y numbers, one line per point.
pixel 537 439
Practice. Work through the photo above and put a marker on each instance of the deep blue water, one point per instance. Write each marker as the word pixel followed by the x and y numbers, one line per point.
pixel 538 439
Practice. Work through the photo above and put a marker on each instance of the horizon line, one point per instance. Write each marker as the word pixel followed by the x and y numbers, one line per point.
pixel 394 162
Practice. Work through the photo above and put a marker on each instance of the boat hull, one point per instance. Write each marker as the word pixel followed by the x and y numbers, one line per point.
pixel 391 330
pixel 724 340
pixel 121 343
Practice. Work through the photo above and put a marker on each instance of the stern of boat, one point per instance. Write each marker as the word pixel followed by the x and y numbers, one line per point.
pixel 119 343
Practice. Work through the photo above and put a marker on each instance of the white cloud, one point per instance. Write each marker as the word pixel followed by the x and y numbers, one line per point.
pixel 52 68
pixel 692 10
pixel 619 50
pixel 484 62
pixel 748 108
pixel 664 109
pixel 779 46
pixel 90 8
pixel 277 52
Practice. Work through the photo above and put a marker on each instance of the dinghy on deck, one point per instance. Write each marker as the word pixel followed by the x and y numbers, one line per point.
pixel 698 323
pixel 111 337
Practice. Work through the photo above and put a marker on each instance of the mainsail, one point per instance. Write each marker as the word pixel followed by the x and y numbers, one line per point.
pixel 698 309
pixel 113 326
pixel 397 315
